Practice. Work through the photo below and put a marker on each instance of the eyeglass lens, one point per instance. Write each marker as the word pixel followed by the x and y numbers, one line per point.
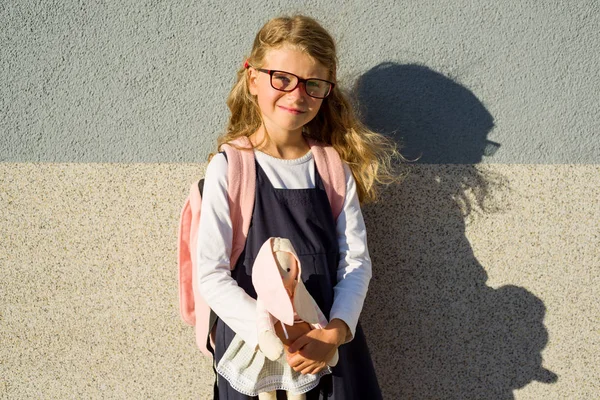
pixel 288 82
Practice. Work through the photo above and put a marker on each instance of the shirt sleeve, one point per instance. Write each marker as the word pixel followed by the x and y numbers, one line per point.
pixel 354 268
pixel 220 291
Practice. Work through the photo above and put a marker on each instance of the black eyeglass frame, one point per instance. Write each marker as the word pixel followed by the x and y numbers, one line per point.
pixel 300 80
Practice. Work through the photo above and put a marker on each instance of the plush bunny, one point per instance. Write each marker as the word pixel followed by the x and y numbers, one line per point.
pixel 282 301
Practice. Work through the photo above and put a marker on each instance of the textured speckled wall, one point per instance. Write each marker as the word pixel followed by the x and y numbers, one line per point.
pixel 486 257
pixel 503 300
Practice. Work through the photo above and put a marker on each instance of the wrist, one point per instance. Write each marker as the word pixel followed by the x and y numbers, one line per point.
pixel 340 329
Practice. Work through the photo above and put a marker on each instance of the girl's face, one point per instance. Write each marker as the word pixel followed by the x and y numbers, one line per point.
pixel 285 113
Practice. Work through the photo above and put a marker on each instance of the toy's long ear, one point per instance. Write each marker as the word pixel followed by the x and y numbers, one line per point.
pixel 305 305
pixel 269 286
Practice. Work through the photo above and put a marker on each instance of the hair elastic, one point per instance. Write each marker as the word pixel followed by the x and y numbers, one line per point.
pixel 246 65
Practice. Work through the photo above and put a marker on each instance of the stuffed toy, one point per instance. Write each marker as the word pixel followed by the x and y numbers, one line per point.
pixel 285 309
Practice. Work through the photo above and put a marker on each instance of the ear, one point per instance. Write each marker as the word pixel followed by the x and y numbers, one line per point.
pixel 252 81
pixel 305 304
pixel 269 286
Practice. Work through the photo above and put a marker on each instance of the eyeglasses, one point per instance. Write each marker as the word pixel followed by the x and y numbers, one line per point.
pixel 287 82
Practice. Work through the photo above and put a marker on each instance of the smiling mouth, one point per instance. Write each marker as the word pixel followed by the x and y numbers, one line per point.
pixel 292 110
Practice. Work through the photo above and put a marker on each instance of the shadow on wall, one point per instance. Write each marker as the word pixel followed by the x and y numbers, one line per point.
pixel 435 329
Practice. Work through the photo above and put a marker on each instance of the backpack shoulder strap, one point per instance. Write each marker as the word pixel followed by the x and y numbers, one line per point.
pixel 241 174
pixel 186 252
pixel 241 188
pixel 329 165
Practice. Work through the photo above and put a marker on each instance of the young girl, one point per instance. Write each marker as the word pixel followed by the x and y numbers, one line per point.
pixel 285 93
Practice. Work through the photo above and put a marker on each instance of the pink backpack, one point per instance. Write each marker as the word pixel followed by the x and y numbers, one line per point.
pixel 241 187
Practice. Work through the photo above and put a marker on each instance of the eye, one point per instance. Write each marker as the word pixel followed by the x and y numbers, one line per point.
pixel 281 80
pixel 289 270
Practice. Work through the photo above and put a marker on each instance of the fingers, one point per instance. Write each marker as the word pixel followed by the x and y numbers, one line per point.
pixel 301 364
pixel 294 360
pixel 311 339
pixel 299 343
pixel 315 350
pixel 309 353
pixel 314 369
pixel 305 366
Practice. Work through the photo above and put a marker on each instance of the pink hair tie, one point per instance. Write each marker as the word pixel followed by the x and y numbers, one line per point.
pixel 246 65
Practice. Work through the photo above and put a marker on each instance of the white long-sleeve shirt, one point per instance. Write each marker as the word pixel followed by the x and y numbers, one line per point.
pixel 215 235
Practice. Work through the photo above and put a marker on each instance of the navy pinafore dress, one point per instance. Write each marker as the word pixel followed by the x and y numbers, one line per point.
pixel 304 217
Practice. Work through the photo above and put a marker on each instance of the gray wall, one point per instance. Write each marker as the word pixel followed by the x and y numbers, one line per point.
pixel 146 81
pixel 486 257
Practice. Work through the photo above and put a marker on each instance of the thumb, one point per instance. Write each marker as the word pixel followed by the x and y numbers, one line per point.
pixel 298 344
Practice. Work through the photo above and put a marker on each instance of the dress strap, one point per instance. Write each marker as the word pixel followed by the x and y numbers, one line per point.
pixel 241 187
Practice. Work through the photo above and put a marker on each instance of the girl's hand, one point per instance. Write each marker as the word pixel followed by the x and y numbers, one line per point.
pixel 310 352
pixel 294 332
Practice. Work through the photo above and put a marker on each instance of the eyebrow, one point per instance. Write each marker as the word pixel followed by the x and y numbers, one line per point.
pixel 299 76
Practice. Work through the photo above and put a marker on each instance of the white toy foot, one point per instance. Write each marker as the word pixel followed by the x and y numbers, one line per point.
pixel 292 396
pixel 267 396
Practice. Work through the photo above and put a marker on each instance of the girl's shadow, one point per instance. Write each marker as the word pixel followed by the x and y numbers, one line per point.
pixel 435 329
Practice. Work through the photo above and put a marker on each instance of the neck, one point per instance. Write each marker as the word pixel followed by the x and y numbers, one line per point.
pixel 285 145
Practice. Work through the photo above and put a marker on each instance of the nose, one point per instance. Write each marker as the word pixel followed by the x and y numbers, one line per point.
pixel 299 92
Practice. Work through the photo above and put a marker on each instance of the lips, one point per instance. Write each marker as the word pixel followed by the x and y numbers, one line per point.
pixel 292 110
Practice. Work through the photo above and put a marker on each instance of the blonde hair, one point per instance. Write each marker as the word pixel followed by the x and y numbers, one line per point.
pixel 368 154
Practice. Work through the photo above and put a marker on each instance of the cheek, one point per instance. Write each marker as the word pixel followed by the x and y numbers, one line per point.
pixel 316 106
pixel 266 104
pixel 267 96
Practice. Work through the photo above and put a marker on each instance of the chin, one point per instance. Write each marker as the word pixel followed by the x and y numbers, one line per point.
pixel 291 127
